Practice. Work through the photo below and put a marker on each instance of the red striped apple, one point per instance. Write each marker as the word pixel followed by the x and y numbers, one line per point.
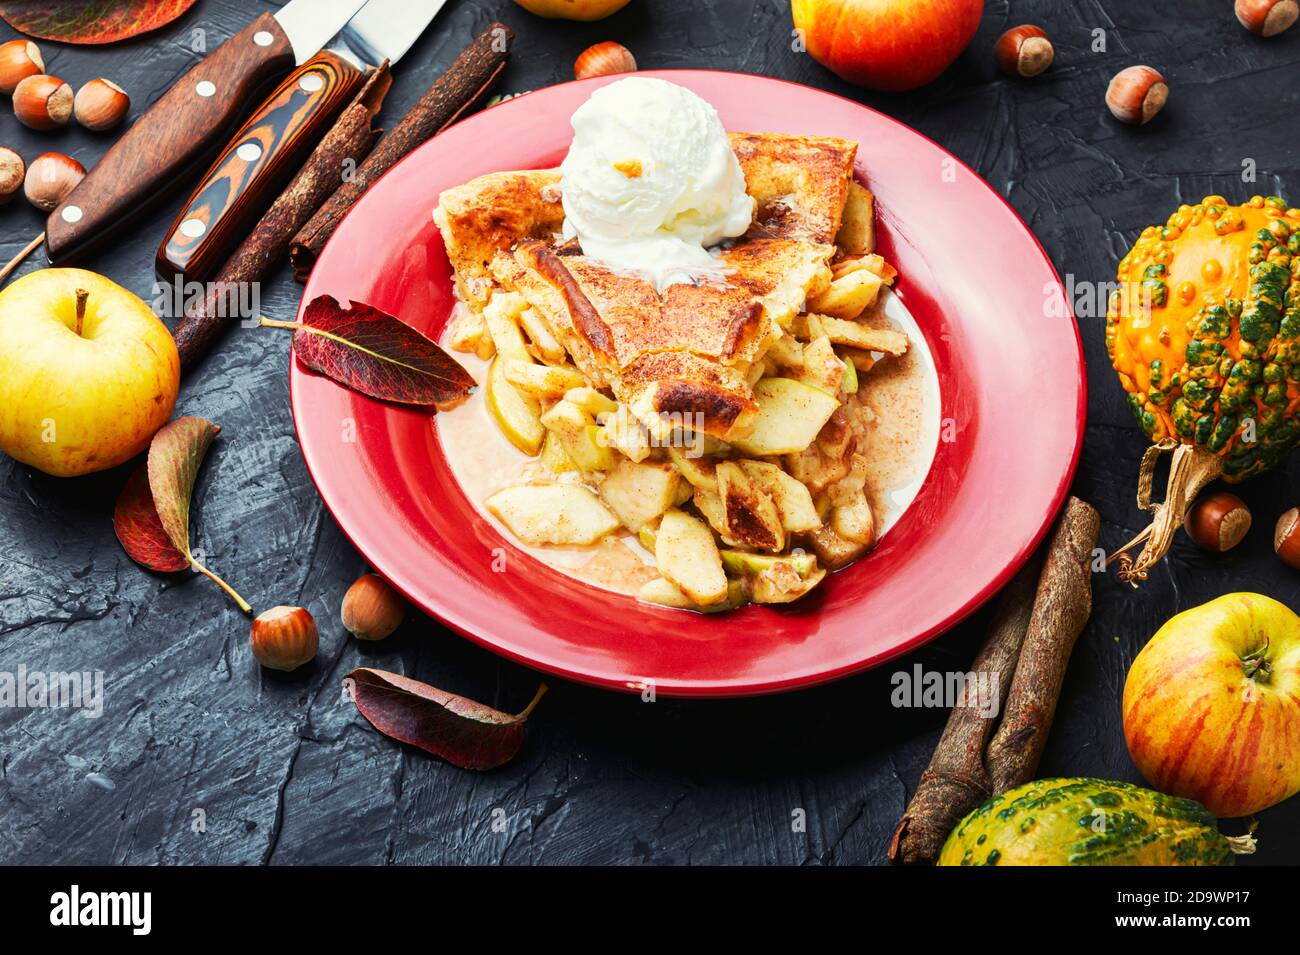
pixel 887 44
pixel 87 372
pixel 1212 705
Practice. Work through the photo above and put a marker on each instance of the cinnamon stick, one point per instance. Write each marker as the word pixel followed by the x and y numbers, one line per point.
pixel 957 779
pixel 1061 610
pixel 1041 614
pixel 452 95
pixel 346 144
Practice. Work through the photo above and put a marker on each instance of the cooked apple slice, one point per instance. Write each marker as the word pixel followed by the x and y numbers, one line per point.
pixel 742 563
pixel 514 412
pixel 501 314
pixel 625 434
pixel 790 413
pixel 792 499
pixel 833 550
pixel 552 514
pixel 666 593
pixel 822 368
pixel 647 534
pixel 554 456
pixel 858 224
pixel 774 578
pixel 687 555
pixel 787 352
pixel 849 385
pixel 815 470
pixel 710 506
pixel 860 336
pixel 590 400
pixel 582 441
pixel 699 471
pixel 781 585
pixel 543 381
pixel 469 333
pixel 851 516
pixel 638 493
pixel 848 296
pixel 544 344
pixel 749 514
pixel 836 439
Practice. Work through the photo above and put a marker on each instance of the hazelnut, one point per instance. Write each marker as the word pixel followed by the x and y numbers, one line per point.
pixel 1267 17
pixel 604 59
pixel 43 102
pixel 1218 522
pixel 51 177
pixel 19 59
pixel 12 171
pixel 1024 51
pixel 284 638
pixel 1136 94
pixel 100 105
pixel 372 609
pixel 1286 539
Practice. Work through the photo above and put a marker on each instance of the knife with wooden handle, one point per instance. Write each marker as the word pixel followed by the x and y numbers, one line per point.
pixel 189 122
pixel 243 182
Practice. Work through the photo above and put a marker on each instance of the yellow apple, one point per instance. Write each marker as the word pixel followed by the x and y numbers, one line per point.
pixel 87 372
pixel 573 9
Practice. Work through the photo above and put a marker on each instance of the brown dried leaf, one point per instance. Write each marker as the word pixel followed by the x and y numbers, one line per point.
pixel 464 733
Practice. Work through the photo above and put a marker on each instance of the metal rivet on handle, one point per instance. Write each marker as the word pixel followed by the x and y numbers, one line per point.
pixel 249 152
pixel 193 228
pixel 311 82
pixel 206 88
pixel 263 38
pixel 71 214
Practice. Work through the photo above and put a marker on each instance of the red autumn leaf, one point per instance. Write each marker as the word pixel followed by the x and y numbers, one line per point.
pixel 464 733
pixel 136 522
pixel 152 514
pixel 374 353
pixel 92 22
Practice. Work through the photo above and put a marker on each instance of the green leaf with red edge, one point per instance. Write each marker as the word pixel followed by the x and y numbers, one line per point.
pixel 464 733
pixel 90 22
pixel 175 456
pixel 378 355
pixel 135 520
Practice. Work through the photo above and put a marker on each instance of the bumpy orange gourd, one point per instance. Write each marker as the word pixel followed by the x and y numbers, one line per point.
pixel 1204 333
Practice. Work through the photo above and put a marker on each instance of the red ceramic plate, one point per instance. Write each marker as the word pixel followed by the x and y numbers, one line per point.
pixel 974 277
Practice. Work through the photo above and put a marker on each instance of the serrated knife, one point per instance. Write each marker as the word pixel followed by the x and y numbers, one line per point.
pixel 266 150
pixel 188 122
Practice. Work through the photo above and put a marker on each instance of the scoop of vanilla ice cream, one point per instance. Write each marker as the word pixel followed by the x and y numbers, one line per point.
pixel 650 181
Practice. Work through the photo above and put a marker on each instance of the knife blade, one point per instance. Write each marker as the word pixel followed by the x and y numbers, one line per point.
pixel 262 155
pixel 188 122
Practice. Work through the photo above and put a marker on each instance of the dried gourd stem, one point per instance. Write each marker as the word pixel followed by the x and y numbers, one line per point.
pixel 17 260
pixel 1190 470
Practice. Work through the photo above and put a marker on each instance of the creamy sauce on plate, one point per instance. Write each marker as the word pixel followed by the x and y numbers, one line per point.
pixel 902 394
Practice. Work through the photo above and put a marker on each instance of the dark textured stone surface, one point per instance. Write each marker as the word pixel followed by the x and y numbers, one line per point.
pixel 283 770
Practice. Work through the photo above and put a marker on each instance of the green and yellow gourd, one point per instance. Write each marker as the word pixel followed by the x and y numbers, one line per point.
pixel 1204 333
pixel 1090 822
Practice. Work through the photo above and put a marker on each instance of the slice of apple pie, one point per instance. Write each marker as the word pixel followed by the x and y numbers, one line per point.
pixel 717 421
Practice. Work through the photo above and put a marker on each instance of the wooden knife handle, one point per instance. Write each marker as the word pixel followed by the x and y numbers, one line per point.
pixel 247 176
pixel 177 133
